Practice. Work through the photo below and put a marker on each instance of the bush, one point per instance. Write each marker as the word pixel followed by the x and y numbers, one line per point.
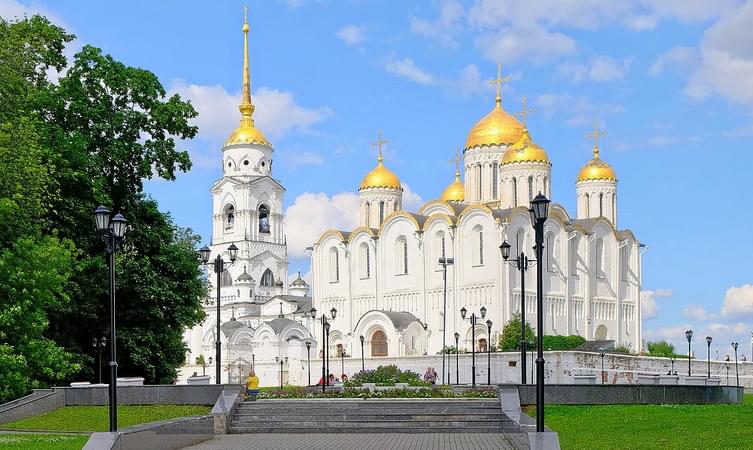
pixel 385 376
pixel 509 340
pixel 661 348
pixel 557 342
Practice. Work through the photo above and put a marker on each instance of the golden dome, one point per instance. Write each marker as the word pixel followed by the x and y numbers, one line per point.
pixel 596 169
pixel 380 177
pixel 525 150
pixel 455 192
pixel 246 133
pixel 496 128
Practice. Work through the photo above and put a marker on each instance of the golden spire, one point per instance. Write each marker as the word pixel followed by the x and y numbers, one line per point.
pixel 457 160
pixel 595 136
pixel 246 107
pixel 499 81
pixel 378 144
pixel 455 192
pixel 524 112
pixel 380 177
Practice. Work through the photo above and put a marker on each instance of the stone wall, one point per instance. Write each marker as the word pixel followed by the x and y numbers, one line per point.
pixel 147 395
pixel 597 394
pixel 167 435
pixel 41 401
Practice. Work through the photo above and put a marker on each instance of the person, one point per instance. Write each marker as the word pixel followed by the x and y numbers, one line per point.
pixel 344 378
pixel 742 358
pixel 252 386
pixel 331 379
pixel 321 381
pixel 430 375
pixel 434 376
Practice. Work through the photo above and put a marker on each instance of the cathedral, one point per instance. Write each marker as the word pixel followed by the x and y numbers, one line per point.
pixel 387 285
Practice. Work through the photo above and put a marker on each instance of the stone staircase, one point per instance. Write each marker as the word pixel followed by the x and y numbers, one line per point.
pixel 370 416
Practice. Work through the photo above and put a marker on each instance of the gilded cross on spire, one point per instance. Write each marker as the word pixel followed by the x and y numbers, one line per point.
pixel 524 112
pixel 499 81
pixel 595 136
pixel 246 107
pixel 378 144
pixel 245 14
pixel 457 160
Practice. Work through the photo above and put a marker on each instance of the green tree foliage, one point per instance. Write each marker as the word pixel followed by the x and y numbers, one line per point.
pixel 509 340
pixel 661 348
pixel 557 342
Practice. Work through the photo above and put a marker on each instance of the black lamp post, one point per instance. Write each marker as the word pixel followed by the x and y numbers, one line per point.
pixel 308 358
pixel 672 368
pixel 342 364
pixel 457 359
pixel 708 357
pixel 522 263
pixel 539 212
pixel 219 266
pixel 444 262
pixel 737 375
pixel 601 354
pixel 112 231
pixel 281 361
pixel 473 320
pixel 333 314
pixel 489 352
pixel 689 337
pixel 99 345
pixel 363 364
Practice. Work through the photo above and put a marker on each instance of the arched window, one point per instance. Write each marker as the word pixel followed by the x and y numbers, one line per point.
pixel 573 261
pixel 614 210
pixel 229 216
pixel 530 188
pixel 624 261
pixel 379 344
pixel 495 180
pixel 549 252
pixel 368 214
pixel 334 265
pixel 340 351
pixel 479 182
pixel 601 205
pixel 226 279
pixel 546 192
pixel 263 219
pixel 381 212
pixel 478 245
pixel 600 258
pixel 588 206
pixel 520 240
pixel 481 347
pixel 401 255
pixel 267 279
pixel 514 192
pixel 365 260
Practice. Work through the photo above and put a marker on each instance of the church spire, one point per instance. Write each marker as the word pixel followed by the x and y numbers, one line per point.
pixel 595 136
pixel 246 107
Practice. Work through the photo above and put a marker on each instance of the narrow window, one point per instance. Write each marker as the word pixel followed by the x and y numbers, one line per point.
pixel 381 213
pixel 573 257
pixel 588 206
pixel 614 210
pixel 368 214
pixel 601 205
pixel 334 265
pixel 514 192
pixel 405 256
pixel 478 184
pixel 495 180
pixel 481 247
pixel 263 219
pixel 229 216
pixel 549 251
pixel 530 188
pixel 267 279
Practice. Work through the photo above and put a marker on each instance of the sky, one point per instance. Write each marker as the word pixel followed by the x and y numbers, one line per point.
pixel 671 81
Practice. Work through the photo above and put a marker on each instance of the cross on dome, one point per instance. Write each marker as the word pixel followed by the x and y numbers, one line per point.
pixel 378 144
pixel 457 160
pixel 595 136
pixel 499 81
pixel 524 112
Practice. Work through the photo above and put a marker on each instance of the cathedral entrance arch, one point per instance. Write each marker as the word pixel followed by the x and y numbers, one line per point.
pixel 601 333
pixel 379 343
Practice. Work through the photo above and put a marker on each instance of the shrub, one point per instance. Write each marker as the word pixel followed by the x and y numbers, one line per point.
pixel 509 340
pixel 661 348
pixel 385 376
pixel 557 342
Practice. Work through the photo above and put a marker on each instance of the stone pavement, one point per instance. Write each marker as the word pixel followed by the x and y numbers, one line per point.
pixel 365 441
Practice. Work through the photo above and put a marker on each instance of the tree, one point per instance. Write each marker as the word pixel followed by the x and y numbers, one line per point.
pixel 509 340
pixel 661 348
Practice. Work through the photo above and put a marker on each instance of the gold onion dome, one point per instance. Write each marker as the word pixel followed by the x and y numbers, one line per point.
pixel 525 150
pixel 380 177
pixel 247 133
pixel 455 192
pixel 498 127
pixel 596 169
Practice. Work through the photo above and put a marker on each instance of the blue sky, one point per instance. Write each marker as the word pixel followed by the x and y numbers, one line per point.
pixel 671 81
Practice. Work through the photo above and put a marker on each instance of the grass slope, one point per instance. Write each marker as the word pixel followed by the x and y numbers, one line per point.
pixel 666 427
pixel 95 418
pixel 42 442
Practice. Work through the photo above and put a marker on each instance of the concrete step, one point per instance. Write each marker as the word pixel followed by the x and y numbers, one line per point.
pixel 383 410
pixel 323 416
pixel 355 427
pixel 234 430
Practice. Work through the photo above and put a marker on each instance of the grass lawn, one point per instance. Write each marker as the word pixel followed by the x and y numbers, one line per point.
pixel 42 441
pixel 95 418
pixel 652 426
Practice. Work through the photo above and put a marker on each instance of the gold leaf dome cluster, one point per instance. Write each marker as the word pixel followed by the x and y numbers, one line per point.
pixel 455 192
pixel 380 177
pixel 596 169
pixel 525 150
pixel 246 133
pixel 496 128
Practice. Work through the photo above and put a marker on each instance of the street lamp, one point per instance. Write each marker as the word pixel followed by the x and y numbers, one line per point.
pixel 333 314
pixel 601 353
pixel 539 212
pixel 689 337
pixel 737 375
pixel 522 263
pixel 363 364
pixel 342 364
pixel 281 361
pixel 473 320
pixel 457 359
pixel 308 358
pixel 708 357
pixel 219 267
pixel 112 231
pixel 99 345
pixel 489 352
pixel 444 262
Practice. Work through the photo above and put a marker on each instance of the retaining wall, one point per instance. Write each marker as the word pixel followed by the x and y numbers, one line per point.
pixel 596 394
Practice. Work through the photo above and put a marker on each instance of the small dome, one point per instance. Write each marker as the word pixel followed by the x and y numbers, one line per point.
pixel 381 177
pixel 455 192
pixel 525 150
pixel 496 128
pixel 299 282
pixel 244 277
pixel 279 283
pixel 247 134
pixel 596 169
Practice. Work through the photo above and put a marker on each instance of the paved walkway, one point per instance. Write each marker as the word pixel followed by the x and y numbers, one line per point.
pixel 368 441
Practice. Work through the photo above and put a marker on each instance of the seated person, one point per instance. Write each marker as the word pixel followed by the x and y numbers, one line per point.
pixel 252 386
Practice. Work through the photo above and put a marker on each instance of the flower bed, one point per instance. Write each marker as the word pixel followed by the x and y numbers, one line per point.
pixel 386 376
pixel 358 392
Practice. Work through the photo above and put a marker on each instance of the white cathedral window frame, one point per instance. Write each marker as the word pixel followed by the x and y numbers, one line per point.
pixel 600 259
pixel 401 256
pixel 334 265
pixel 514 192
pixel 440 250
pixel 264 219
pixel 624 262
pixel 381 212
pixel 549 247
pixel 495 181
pixel 479 172
pixel 478 246
pixel 267 278
pixel 365 261
pixel 228 216
pixel 573 262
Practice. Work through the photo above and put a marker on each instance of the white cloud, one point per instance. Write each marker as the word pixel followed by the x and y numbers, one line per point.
pixel 678 58
pixel 738 301
pixel 444 27
pixel 696 312
pixel 351 34
pixel 600 69
pixel 276 114
pixel 736 329
pixel 649 306
pixel 412 201
pixel 406 68
pixel 579 111
pixel 296 159
pixel 531 42
pixel 313 213
pixel 669 333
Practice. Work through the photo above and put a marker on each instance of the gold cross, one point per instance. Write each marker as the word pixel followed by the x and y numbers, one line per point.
pixel 379 143
pixel 498 81
pixel 523 114
pixel 595 134
pixel 457 160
